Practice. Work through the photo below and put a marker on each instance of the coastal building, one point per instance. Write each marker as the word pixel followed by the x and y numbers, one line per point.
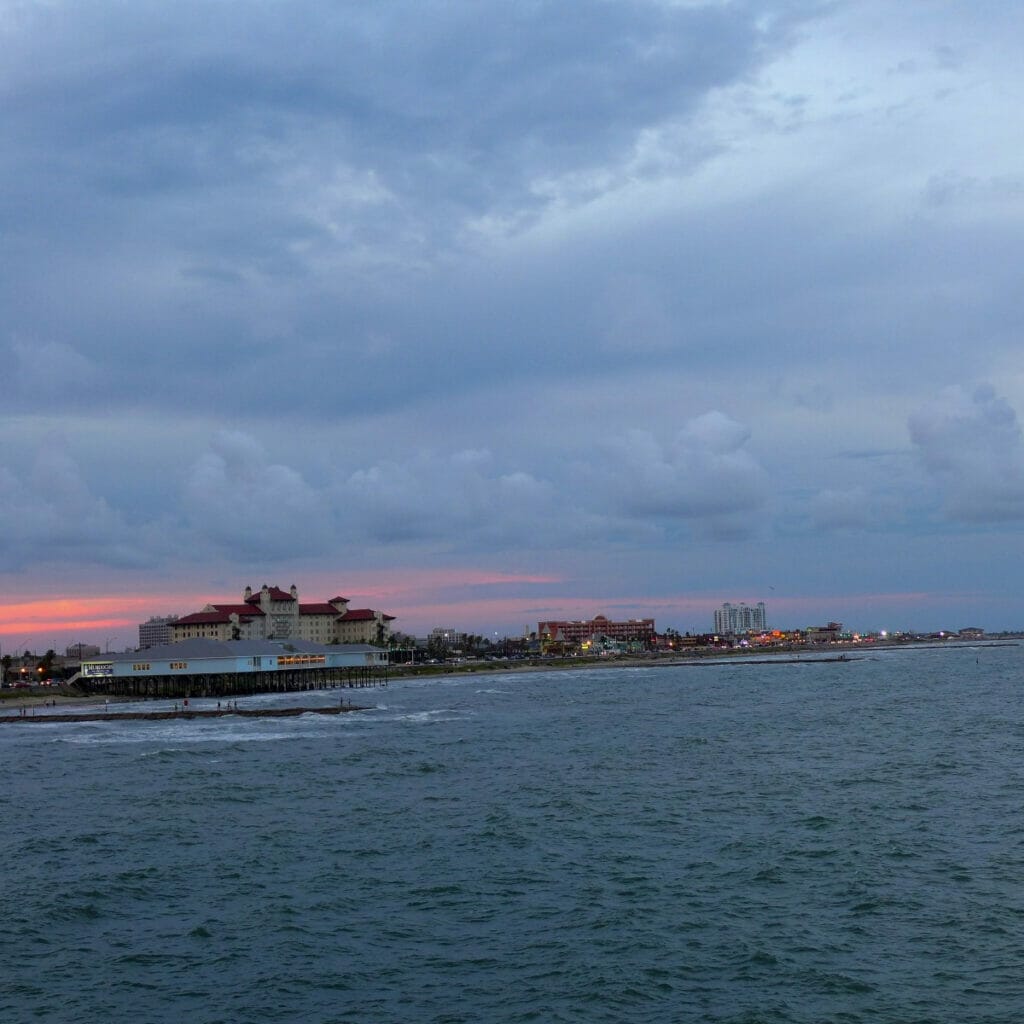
pixel 443 639
pixel 444 634
pixel 80 651
pixel 156 631
pixel 364 626
pixel 275 614
pixel 740 618
pixel 204 667
pixel 823 634
pixel 598 628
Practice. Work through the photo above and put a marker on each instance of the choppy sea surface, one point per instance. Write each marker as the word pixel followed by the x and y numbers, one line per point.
pixel 799 843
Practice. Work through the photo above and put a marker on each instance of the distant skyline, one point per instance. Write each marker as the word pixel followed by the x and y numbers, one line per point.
pixel 113 620
pixel 488 313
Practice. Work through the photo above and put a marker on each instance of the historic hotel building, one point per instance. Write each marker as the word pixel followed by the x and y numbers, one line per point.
pixel 274 614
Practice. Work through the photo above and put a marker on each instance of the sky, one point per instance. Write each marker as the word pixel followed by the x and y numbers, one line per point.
pixel 483 313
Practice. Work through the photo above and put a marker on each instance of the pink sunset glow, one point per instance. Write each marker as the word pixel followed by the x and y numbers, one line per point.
pixel 476 600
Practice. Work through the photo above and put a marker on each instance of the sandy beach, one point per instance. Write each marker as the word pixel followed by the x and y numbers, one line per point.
pixel 58 698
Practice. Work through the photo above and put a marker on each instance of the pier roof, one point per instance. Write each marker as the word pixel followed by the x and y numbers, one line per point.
pixel 203 647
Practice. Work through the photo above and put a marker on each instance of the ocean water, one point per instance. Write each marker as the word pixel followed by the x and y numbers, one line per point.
pixel 732 843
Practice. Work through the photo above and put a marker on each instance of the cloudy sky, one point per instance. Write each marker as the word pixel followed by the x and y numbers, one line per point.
pixel 485 312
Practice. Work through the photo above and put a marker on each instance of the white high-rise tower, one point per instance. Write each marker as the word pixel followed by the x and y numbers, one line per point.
pixel 740 618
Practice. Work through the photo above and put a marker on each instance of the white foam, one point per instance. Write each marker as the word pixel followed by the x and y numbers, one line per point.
pixel 433 716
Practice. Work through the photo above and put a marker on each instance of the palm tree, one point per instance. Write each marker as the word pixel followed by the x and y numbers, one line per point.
pixel 45 667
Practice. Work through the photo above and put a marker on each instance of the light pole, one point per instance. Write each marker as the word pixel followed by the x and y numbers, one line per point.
pixel 20 647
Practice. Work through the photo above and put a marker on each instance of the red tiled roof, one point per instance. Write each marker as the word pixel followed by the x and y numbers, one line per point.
pixel 220 613
pixel 275 594
pixel 205 619
pixel 362 615
pixel 358 615
pixel 333 599
pixel 239 609
pixel 200 618
pixel 318 609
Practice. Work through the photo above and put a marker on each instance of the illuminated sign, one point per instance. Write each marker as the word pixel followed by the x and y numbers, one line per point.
pixel 302 659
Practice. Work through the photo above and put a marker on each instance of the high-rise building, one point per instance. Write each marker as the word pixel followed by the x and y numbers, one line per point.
pixel 80 651
pixel 156 631
pixel 741 618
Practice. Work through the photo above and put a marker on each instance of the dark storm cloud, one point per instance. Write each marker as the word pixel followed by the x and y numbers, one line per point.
pixel 205 185
pixel 704 473
pixel 236 499
pixel 972 444
pixel 436 498
pixel 52 516
pixel 470 101
pixel 590 283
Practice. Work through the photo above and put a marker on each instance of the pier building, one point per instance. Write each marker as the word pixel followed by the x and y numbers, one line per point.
pixel 213 668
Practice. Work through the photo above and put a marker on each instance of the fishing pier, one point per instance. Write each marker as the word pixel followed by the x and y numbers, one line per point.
pixel 233 668
pixel 179 685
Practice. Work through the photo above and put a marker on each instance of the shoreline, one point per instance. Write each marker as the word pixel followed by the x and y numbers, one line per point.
pixel 715 658
pixel 61 698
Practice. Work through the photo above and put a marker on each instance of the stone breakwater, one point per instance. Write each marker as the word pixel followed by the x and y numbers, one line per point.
pixel 158 716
